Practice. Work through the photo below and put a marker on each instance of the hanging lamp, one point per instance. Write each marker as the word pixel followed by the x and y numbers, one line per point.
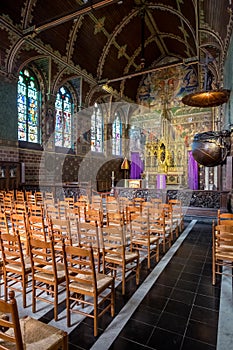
pixel 207 97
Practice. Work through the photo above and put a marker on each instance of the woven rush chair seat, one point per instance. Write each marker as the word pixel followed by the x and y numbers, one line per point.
pixel 27 333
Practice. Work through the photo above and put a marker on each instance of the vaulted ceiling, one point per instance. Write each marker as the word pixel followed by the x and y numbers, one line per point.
pixel 112 43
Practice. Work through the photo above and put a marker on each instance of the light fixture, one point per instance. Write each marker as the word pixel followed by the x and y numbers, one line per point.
pixel 125 164
pixel 204 99
pixel 125 167
pixel 207 97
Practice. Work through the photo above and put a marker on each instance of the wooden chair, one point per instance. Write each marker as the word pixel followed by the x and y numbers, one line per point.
pixel 52 212
pixel 88 236
pixel 72 217
pixel 47 274
pixel 49 196
pixel 27 333
pixel 19 225
pixel 115 218
pixel 8 205
pixel 30 198
pixel 20 197
pixel 170 221
pixel 156 202
pixel 16 267
pixel 177 212
pixel 59 229
pixel 62 207
pixel 224 218
pixel 112 207
pixel 80 209
pixel 36 210
pixel 116 256
pixel 132 212
pixel 20 208
pixel 93 216
pixel 142 239
pixel 39 197
pixel 4 226
pixel 70 201
pixel 36 228
pixel 146 206
pixel 138 202
pixel 222 250
pixel 158 226
pixel 82 281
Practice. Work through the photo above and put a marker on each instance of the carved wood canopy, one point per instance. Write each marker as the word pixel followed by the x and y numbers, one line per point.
pixel 110 41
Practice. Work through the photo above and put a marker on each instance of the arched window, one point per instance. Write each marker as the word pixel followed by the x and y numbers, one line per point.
pixel 97 128
pixel 63 126
pixel 117 136
pixel 28 107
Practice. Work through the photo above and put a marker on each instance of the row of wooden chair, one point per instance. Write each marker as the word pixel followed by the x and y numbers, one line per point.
pixel 76 274
pixel 222 245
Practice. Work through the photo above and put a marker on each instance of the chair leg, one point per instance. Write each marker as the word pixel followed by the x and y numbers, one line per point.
pixel 157 252
pixel 95 315
pixel 123 280
pixel 33 297
pixel 68 308
pixel 112 299
pixel 148 257
pixel 24 284
pixel 55 303
pixel 137 272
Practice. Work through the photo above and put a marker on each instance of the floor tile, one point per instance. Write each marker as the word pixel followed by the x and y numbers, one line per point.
pixel 164 340
pixel 178 308
pixel 202 332
pixel 191 344
pixel 137 331
pixel 172 322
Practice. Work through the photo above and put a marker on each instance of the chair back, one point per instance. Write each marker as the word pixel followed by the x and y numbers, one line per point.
pixel 224 218
pixel 36 227
pixel 42 256
pixel 4 228
pixel 13 335
pixel 12 252
pixel 80 267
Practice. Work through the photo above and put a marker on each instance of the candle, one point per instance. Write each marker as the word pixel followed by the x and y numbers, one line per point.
pixel 112 173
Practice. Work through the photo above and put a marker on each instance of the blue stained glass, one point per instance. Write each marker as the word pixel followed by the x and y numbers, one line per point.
pixel 63 125
pixel 117 136
pixel 97 128
pixel 28 110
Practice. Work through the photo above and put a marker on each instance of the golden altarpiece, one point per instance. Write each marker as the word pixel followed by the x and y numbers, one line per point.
pixel 170 126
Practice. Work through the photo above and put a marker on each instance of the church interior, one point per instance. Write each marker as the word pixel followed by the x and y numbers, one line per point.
pixel 128 101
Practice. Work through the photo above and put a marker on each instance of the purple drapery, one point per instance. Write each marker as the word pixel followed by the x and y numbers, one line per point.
pixel 136 166
pixel 192 172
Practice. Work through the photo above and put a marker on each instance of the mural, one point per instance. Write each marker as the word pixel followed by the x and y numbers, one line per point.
pixel 168 85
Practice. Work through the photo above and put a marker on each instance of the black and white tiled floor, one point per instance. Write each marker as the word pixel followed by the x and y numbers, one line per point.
pixel 175 307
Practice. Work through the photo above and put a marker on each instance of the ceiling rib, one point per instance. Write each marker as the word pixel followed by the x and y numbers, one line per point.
pixel 188 61
pixel 71 16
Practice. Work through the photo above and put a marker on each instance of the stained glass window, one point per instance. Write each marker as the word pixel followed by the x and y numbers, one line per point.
pixel 117 136
pixel 28 107
pixel 97 129
pixel 63 126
